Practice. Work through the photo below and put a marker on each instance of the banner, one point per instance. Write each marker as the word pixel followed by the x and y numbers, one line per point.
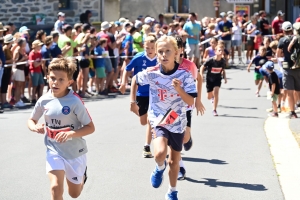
pixel 240 1
pixel 240 10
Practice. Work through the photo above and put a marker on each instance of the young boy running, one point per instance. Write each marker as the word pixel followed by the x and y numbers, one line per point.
pixel 215 71
pixel 171 90
pixel 66 122
pixel 191 67
pixel 259 61
pixel 140 62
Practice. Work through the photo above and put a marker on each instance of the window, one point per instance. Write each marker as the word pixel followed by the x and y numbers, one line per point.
pixel 63 4
pixel 178 6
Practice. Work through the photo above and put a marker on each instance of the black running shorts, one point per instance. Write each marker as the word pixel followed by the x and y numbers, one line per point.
pixel 143 104
pixel 210 85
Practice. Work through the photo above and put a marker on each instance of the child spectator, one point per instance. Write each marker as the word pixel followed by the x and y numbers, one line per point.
pixel 99 66
pixel 257 41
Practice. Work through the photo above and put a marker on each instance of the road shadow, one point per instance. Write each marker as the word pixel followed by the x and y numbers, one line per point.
pixel 233 107
pixel 235 116
pixel 215 183
pixel 212 161
pixel 236 88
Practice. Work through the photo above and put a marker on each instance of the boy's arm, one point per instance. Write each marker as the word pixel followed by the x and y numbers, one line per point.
pixel 273 88
pixel 198 104
pixel 224 75
pixel 248 68
pixel 187 98
pixel 133 104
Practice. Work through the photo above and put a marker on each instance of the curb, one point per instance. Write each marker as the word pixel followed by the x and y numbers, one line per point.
pixel 286 156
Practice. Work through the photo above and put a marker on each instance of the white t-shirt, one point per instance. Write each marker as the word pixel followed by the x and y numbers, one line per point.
pixel 237 33
pixel 250 27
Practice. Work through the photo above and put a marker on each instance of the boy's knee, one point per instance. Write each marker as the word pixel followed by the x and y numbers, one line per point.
pixel 57 190
pixel 74 194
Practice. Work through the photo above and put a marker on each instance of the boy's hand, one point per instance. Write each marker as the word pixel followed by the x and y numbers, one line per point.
pixel 39 128
pixel 199 106
pixel 248 69
pixel 62 137
pixel 134 108
pixel 122 88
pixel 225 80
pixel 176 84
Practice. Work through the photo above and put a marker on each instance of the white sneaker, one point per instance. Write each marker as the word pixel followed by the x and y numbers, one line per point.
pixel 248 62
pixel 20 104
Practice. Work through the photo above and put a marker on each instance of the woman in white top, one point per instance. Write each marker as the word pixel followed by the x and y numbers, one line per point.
pixel 250 38
pixel 236 38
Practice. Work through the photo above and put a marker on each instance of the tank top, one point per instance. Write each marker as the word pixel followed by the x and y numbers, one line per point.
pixel 211 52
pixel 20 67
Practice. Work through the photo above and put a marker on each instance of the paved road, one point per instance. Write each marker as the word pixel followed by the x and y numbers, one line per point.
pixel 230 158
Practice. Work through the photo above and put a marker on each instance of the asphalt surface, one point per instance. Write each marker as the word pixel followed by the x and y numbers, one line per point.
pixel 230 158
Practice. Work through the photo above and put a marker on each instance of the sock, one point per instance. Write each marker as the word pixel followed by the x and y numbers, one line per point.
pixel 181 163
pixel 161 167
pixel 172 189
pixel 278 106
pixel 147 144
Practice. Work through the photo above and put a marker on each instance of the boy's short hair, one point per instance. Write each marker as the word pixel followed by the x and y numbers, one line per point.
pixel 63 64
pixel 274 44
pixel 48 40
pixel 151 39
pixel 102 41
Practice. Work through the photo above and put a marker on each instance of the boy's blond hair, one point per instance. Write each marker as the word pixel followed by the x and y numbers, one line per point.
pixel 63 64
pixel 168 39
pixel 274 44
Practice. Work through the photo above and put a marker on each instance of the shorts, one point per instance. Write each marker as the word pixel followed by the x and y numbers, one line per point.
pixel 37 79
pixel 74 168
pixel 227 44
pixel 210 85
pixel 26 71
pixel 274 98
pixel 192 50
pixel 100 72
pixel 143 104
pixel 189 118
pixel 258 76
pixel 250 42
pixel 76 73
pixel 5 79
pixel 114 63
pixel 92 73
pixel 84 63
pixel 18 75
pixel 236 43
pixel 175 140
pixel 291 79
pixel 108 65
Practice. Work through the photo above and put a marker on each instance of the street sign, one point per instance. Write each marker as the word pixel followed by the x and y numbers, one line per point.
pixel 240 1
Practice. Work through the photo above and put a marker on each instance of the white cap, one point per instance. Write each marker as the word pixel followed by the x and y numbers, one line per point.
pixel 287 26
pixel 105 25
pixel 61 14
pixel 148 20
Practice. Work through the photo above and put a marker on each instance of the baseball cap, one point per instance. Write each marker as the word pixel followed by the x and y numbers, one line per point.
pixel 148 20
pixel 23 29
pixel 117 23
pixel 230 13
pixel 138 24
pixel 37 43
pixel 61 14
pixel 296 26
pixel 223 14
pixel 280 13
pixel 256 14
pixel 105 25
pixel 257 32
pixel 122 20
pixel 8 39
pixel 287 26
pixel 77 25
pixel 140 17
pixel 269 65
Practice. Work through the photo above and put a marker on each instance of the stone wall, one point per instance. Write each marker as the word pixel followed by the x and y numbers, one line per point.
pixel 20 12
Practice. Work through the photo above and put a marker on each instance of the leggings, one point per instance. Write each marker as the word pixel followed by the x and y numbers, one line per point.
pixel 5 79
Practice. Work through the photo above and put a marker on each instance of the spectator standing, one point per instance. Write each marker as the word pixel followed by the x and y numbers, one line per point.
pixel 225 29
pixel 250 30
pixel 236 39
pixel 161 20
pixel 263 23
pixel 85 17
pixel 58 26
pixel 193 30
pixel 138 38
pixel 277 23
pixel 46 54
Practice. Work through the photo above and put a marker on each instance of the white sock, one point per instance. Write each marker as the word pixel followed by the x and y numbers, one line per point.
pixel 171 189
pixel 161 167
pixel 181 163
pixel 282 104
pixel 147 144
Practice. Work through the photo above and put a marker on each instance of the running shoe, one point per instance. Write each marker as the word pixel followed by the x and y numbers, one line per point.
pixel 157 176
pixel 257 94
pixel 215 113
pixel 171 196
pixel 147 152
pixel 12 101
pixel 19 104
pixel 292 116
pixel 6 105
pixel 25 100
pixel 33 101
pixel 104 92
pixel 273 114
pixel 181 174
pixel 269 110
pixel 187 146
pixel 248 61
pixel 85 96
pixel 113 90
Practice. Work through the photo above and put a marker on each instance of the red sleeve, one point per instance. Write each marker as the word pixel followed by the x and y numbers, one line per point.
pixel 298 19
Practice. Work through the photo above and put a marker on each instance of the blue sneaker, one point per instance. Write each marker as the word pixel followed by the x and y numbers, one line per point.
pixel 157 177
pixel 171 196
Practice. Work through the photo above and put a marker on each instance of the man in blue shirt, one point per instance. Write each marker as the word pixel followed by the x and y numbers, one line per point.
pixel 193 30
pixel 140 62
pixel 54 49
pixel 225 29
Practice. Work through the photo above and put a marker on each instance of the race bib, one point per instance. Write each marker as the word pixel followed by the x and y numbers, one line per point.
pixel 51 133
pixel 168 118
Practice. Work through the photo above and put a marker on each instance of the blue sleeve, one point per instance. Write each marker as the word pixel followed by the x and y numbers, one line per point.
pixel 131 65
pixel 98 51
pixel 2 56
pixel 44 54
pixel 219 27
pixel 58 50
pixel 230 26
pixel 185 28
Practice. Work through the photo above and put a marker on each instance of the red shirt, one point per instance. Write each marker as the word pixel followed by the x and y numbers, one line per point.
pixel 104 35
pixel 298 19
pixel 258 42
pixel 35 57
pixel 276 25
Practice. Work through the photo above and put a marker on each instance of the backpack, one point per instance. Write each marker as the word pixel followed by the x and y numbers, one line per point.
pixel 295 56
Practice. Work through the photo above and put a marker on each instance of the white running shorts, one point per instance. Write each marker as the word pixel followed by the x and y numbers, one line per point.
pixel 74 168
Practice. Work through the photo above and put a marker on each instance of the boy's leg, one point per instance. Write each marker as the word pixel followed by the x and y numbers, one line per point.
pixel 174 158
pixel 56 184
pixel 216 97
pixel 75 189
pixel 147 152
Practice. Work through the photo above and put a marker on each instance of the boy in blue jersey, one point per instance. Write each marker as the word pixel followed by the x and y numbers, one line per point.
pixel 66 122
pixel 171 89
pixel 139 63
